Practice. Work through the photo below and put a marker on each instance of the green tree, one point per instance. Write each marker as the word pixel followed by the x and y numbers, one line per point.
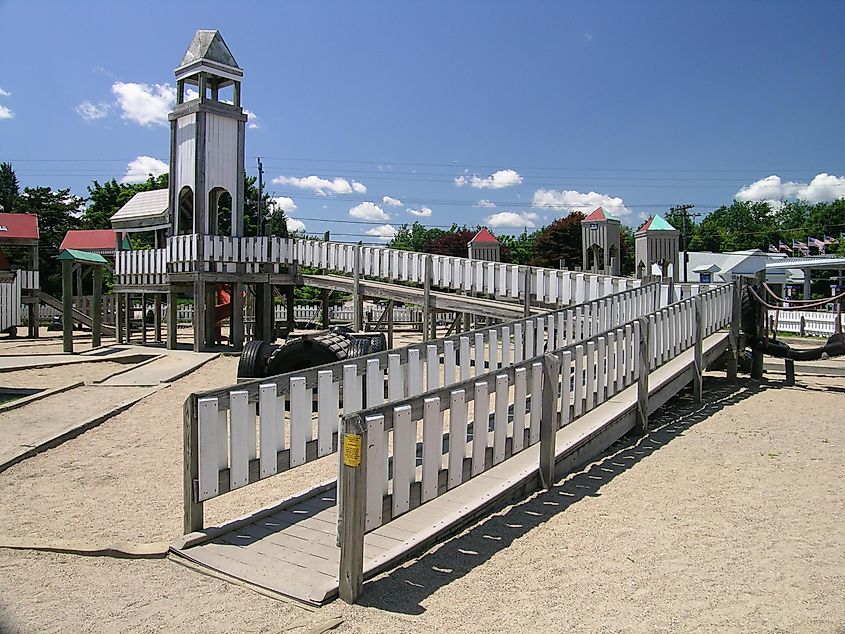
pixel 559 240
pixel 519 249
pixel 452 242
pixel 105 200
pixel 9 188
pixel 277 221
pixel 627 251
pixel 414 237
pixel 57 212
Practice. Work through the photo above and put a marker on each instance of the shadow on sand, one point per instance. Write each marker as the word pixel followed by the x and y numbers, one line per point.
pixel 403 589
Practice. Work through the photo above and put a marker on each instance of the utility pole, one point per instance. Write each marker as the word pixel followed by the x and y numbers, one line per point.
pixel 683 210
pixel 260 220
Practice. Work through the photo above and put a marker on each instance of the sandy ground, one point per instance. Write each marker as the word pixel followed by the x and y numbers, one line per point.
pixel 726 517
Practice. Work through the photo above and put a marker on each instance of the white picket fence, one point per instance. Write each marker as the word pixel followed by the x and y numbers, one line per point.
pixel 458 434
pixel 806 323
pixel 253 430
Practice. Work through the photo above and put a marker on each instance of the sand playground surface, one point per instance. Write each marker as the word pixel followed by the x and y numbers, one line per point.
pixel 727 516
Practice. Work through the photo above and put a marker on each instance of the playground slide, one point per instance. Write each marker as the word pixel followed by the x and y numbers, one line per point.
pixel 77 315
pixel 222 310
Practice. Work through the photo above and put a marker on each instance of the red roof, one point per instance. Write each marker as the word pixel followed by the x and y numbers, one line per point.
pixel 19 226
pixel 484 236
pixel 90 240
pixel 598 214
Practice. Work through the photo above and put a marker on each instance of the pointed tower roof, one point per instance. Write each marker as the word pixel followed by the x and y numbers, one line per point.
pixel 598 215
pixel 656 223
pixel 484 236
pixel 209 52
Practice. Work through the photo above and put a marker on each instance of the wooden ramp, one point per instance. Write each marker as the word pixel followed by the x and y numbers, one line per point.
pixel 290 548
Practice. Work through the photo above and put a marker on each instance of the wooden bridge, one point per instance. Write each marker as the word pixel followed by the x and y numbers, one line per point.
pixel 434 434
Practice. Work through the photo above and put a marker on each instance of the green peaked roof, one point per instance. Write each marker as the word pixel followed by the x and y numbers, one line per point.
pixel 656 223
pixel 82 256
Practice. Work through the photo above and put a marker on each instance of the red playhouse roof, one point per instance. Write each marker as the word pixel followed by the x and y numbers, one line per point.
pixel 18 227
pixel 484 236
pixel 598 214
pixel 94 240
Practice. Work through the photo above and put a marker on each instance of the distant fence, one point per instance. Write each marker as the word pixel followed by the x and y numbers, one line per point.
pixel 806 323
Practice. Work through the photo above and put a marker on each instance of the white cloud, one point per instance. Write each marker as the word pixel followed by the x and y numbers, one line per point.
pixel 497 180
pixel 92 112
pixel 423 212
pixel 144 104
pixel 252 119
pixel 571 200
pixel 3 93
pixel 285 203
pixel 295 225
pixel 322 186
pixel 383 232
pixel 139 169
pixel 772 189
pixel 512 219
pixel 5 113
pixel 368 211
pixel 485 203
pixel 390 200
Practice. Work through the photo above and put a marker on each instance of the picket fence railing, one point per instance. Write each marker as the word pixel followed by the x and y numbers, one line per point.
pixel 455 434
pixel 238 435
pixel 806 323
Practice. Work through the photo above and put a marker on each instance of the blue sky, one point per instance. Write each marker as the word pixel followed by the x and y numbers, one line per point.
pixel 535 108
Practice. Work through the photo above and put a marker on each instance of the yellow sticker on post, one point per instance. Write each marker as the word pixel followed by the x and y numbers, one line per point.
pixel 352 450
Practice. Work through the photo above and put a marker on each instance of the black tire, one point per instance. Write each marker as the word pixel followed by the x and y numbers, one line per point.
pixel 308 352
pixel 253 361
pixel 749 312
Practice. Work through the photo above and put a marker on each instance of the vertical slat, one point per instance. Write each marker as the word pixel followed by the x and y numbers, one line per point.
pixel 415 373
pixel 539 334
pixel 395 378
pixel 566 388
pixel 432 447
pixel 239 408
pixel 375 478
pixel 579 380
pixel 207 428
pixel 223 438
pixel 404 458
pixel 630 354
pixel 300 420
pixel 536 402
pixel 500 418
pixel 520 389
pixel 448 362
pixel 611 364
pixel 479 354
pixel 432 367
pixel 328 411
pixel 268 429
pixel 529 339
pixel 457 436
pixel 517 343
pixel 492 350
pixel 481 416
pixel 464 358
pixel 506 346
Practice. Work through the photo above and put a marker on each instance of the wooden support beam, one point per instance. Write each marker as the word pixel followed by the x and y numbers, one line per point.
pixel 199 316
pixel 192 517
pixel 357 297
pixel 290 307
pixel 236 320
pixel 698 370
pixel 736 318
pixel 526 297
pixel 789 368
pixel 96 307
pixel 67 305
pixel 353 466
pixel 172 308
pixel 325 318
pixel 549 419
pixel 144 318
pixel 127 316
pixel 157 317
pixel 268 317
pixel 426 316
pixel 389 310
pixel 757 355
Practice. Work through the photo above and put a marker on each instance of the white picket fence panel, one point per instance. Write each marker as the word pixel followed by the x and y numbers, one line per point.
pixel 815 324
pixel 10 303
pixel 302 409
pixel 413 430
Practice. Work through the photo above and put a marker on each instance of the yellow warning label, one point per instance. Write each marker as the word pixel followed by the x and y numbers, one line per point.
pixel 352 450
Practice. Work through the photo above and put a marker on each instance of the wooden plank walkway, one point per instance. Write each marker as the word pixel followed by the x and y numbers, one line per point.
pixel 290 548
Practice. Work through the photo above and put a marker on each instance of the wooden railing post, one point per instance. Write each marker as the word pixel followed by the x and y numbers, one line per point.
pixel 357 299
pixel 353 466
pixel 642 325
pixel 428 273
pixel 733 337
pixel 96 306
pixel 526 298
pixel 698 358
pixel 190 461
pixel 549 419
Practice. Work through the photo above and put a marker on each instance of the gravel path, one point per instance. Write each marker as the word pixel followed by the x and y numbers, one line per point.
pixel 724 518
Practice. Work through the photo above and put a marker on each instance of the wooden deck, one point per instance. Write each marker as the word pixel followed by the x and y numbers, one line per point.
pixel 290 548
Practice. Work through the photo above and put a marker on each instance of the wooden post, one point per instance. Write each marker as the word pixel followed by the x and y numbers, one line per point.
pixel 642 325
pixel 267 331
pixel 127 316
pixel 325 317
pixel 190 463
pixel 67 305
pixel 549 419
pixel 426 326
pixel 698 359
pixel 789 368
pixel 96 306
pixel 172 308
pixel 236 321
pixel 357 298
pixel 757 355
pixel 526 298
pixel 389 308
pixel 736 318
pixel 157 316
pixel 199 316
pixel 353 478
pixel 118 317
pixel 144 318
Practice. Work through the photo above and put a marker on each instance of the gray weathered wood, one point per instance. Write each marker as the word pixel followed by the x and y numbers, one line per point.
pixel 172 333
pixel 192 519
pixel 357 296
pixel 67 305
pixel 427 298
pixel 642 378
pixel 354 493
pixel 697 363
pixel 96 306
pixel 549 419
pixel 736 317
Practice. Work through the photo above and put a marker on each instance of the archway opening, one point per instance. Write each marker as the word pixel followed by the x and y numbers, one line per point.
pixel 185 222
pixel 219 212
